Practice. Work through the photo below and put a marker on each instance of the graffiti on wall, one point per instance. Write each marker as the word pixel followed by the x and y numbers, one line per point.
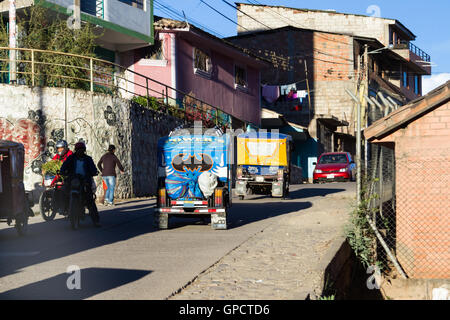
pixel 27 132
pixel 40 143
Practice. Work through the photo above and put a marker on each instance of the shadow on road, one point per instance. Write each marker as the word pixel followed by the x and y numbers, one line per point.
pixel 92 282
pixel 303 193
pixel 243 213
pixel 126 202
pixel 55 239
pixel 313 192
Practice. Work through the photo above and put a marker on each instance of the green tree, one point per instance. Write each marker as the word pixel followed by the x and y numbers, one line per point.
pixel 41 28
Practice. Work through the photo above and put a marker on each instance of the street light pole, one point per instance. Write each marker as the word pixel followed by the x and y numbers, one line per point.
pixel 366 113
pixel 358 154
pixel 12 42
pixel 358 147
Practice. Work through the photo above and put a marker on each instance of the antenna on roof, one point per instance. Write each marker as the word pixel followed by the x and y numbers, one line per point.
pixel 185 19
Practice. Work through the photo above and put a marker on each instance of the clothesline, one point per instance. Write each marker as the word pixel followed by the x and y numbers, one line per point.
pixel 272 93
pixel 281 85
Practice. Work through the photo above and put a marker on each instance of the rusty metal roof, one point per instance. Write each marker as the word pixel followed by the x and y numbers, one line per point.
pixel 408 113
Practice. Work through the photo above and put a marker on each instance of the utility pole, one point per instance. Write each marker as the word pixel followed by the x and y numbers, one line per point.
pixel 307 87
pixel 77 14
pixel 366 94
pixel 358 154
pixel 12 42
pixel 74 21
pixel 358 146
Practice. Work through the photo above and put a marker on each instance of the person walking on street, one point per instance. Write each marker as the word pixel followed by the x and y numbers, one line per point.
pixel 107 166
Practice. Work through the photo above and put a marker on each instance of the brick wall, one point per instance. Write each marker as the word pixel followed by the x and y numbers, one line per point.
pixel 422 152
pixel 276 17
pixel 330 67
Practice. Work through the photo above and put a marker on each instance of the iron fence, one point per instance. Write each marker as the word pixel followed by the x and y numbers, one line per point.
pixel 58 69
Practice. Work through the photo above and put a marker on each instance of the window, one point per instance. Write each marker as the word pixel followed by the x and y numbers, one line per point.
pixel 417 84
pixel 88 7
pixel 405 79
pixel 240 77
pixel 202 62
pixel 134 3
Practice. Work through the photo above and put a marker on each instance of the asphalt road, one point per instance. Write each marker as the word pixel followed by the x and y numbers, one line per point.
pixel 128 258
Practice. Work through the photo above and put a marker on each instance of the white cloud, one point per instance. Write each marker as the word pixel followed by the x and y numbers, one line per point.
pixel 434 81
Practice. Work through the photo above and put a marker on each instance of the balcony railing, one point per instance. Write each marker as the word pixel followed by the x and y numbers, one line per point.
pixel 419 52
pixel 414 49
pixel 100 9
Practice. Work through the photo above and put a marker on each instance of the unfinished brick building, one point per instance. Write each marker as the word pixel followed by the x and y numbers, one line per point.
pixel 332 45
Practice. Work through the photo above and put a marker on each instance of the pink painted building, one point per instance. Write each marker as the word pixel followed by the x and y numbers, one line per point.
pixel 199 64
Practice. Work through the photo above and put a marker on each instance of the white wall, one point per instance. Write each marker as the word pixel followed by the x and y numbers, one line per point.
pixel 121 14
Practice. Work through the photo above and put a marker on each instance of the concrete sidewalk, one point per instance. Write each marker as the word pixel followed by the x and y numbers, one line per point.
pixel 286 260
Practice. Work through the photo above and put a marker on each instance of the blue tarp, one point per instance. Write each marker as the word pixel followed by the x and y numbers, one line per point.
pixel 185 157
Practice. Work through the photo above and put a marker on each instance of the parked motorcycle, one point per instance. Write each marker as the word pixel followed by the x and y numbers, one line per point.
pixel 81 196
pixel 51 200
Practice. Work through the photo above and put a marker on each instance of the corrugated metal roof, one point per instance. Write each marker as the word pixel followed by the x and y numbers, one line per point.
pixel 408 113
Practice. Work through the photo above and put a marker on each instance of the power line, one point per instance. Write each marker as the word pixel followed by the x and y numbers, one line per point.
pixel 172 12
pixel 246 14
pixel 178 15
pixel 334 62
pixel 254 2
pixel 212 8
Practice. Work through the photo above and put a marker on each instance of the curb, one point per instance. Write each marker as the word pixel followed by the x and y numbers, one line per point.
pixel 332 266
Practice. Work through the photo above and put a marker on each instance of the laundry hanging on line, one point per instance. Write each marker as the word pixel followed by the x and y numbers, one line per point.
pixel 271 93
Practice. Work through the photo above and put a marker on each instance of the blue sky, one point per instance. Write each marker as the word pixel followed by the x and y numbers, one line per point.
pixel 428 20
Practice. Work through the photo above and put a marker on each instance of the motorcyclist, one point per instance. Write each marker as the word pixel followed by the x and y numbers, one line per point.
pixel 80 163
pixel 62 153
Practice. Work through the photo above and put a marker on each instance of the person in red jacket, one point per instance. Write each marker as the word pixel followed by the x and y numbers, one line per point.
pixel 62 151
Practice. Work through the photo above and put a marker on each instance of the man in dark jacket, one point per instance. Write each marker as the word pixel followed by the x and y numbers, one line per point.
pixel 81 164
pixel 107 166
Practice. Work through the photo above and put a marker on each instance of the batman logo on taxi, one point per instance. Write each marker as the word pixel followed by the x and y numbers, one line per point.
pixel 200 162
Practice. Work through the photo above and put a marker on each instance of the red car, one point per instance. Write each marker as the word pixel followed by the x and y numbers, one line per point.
pixel 334 166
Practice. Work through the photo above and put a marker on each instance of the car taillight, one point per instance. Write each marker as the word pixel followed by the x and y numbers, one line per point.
pixel 239 173
pixel 218 195
pixel 280 174
pixel 162 197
